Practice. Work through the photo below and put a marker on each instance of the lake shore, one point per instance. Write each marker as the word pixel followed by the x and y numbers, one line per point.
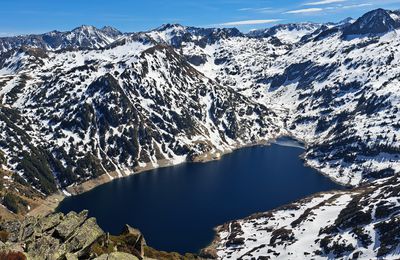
pixel 50 203
pixel 47 205
pixel 168 201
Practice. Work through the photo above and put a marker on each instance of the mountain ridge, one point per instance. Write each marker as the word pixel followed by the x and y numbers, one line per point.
pixel 179 93
pixel 107 34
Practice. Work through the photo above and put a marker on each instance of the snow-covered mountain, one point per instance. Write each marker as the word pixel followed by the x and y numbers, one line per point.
pixel 84 37
pixel 177 35
pixel 85 113
pixel 176 93
pixel 287 33
pixel 374 22
pixel 322 85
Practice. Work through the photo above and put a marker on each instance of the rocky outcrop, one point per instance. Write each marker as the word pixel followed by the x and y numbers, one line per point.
pixel 117 256
pixel 56 236
pixel 74 236
pixel 140 242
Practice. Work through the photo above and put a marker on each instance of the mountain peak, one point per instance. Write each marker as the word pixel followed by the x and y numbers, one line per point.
pixel 346 21
pixel 109 28
pixel 287 33
pixel 85 28
pixel 111 31
pixel 374 22
pixel 169 26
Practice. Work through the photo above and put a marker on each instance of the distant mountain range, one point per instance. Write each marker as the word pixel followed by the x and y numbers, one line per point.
pixel 97 102
pixel 85 37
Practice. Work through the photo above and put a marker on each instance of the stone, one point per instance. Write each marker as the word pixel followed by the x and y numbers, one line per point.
pixel 70 222
pixel 70 237
pixel 88 233
pixel 117 256
pixel 70 256
pixel 54 236
pixel 102 257
pixel 140 241
pixel 13 229
pixel 28 228
pixel 44 248
pixel 50 221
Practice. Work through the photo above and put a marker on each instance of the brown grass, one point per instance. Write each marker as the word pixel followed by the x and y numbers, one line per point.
pixel 4 236
pixel 12 256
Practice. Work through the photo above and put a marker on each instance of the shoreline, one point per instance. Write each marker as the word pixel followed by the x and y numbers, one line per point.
pixel 47 205
pixel 212 248
pixel 50 203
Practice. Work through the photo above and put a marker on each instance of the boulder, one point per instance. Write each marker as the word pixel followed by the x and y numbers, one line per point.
pixel 49 222
pixel 140 241
pixel 45 247
pixel 70 222
pixel 88 233
pixel 117 256
pixel 70 256
pixel 13 229
pixel 71 237
pixel 28 228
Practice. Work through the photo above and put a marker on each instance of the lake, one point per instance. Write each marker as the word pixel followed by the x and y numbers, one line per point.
pixel 176 208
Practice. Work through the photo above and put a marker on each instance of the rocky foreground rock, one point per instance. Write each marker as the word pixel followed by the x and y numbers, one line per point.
pixel 73 236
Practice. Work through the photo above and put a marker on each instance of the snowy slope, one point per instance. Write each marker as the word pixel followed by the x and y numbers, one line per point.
pixel 287 33
pixel 85 37
pixel 121 103
pixel 339 96
pixel 359 224
pixel 121 109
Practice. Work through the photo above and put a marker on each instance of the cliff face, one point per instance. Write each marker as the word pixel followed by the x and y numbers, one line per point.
pixel 73 236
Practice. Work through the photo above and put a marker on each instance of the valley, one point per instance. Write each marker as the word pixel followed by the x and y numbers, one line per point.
pixel 99 104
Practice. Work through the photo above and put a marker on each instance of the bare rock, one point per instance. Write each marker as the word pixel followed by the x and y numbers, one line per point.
pixel 88 233
pixel 51 221
pixel 140 241
pixel 68 225
pixel 117 256
pixel 45 248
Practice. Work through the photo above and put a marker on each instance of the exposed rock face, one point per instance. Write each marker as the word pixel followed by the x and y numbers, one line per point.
pixel 52 237
pixel 374 22
pixel 75 236
pixel 117 256
pixel 287 33
pixel 140 241
pixel 177 35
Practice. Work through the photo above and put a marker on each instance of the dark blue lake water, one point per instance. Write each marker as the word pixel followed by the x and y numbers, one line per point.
pixel 176 208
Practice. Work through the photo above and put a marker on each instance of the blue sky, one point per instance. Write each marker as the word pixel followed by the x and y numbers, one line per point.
pixel 27 16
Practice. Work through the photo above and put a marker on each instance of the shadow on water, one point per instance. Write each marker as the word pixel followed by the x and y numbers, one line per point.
pixel 177 208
